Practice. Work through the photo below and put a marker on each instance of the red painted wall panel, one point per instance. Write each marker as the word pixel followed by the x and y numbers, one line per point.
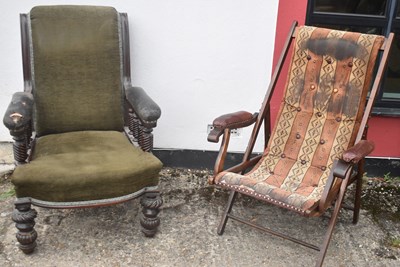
pixel 288 11
pixel 384 131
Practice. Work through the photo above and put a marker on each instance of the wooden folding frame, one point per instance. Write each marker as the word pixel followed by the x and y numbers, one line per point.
pixel 344 172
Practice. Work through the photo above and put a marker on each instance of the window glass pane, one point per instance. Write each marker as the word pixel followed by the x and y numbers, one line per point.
pixel 371 7
pixel 398 11
pixel 391 88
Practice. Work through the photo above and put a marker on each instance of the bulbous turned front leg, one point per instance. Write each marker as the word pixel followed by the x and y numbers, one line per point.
pixel 151 202
pixel 24 218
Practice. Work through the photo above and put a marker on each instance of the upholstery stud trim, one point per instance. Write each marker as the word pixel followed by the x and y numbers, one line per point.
pixel 263 197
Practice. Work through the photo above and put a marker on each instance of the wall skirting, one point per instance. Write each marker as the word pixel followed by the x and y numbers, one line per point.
pixel 202 159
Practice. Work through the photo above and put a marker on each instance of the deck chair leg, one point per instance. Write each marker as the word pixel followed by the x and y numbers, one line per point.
pixel 24 218
pixel 331 226
pixel 228 208
pixel 357 196
pixel 151 202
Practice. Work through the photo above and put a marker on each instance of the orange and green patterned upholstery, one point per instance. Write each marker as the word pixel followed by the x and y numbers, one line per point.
pixel 324 99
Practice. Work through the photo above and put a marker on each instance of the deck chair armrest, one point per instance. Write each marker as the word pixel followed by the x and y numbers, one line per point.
pixel 234 120
pixel 339 170
pixel 145 108
pixel 19 113
pixel 358 151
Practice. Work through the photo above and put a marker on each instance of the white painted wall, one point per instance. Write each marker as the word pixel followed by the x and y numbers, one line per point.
pixel 197 59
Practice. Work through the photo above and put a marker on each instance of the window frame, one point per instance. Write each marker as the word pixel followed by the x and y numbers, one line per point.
pixel 387 23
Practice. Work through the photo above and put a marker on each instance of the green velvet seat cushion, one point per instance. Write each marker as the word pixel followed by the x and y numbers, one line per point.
pixel 85 165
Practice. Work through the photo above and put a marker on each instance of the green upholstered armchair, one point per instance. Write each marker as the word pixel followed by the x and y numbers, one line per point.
pixel 76 124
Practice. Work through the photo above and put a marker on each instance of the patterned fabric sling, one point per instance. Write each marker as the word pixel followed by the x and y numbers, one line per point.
pixel 323 103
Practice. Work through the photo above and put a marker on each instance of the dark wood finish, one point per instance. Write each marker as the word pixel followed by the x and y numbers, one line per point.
pixel 26 54
pixel 239 119
pixel 263 116
pixel 267 230
pixel 219 163
pixel 267 126
pixel 357 194
pixel 142 134
pixel 22 140
pixel 228 209
pixel 341 176
pixel 386 47
pixel 24 218
pixel 134 125
pixel 265 106
pixel 245 165
pixel 23 215
pixel 151 203
pixel 333 220
pixel 146 138
pixel 126 55
pixel 20 148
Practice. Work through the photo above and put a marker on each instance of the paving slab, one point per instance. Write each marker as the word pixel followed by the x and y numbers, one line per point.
pixel 110 236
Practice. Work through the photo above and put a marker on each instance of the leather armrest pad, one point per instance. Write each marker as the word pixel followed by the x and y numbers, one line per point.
pixel 234 120
pixel 19 112
pixel 145 108
pixel 358 151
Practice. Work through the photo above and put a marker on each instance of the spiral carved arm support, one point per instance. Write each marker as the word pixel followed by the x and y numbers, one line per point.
pixel 134 125
pixel 141 134
pixel 24 218
pixel 20 148
pixel 144 112
pixel 146 139
pixel 28 136
pixel 151 202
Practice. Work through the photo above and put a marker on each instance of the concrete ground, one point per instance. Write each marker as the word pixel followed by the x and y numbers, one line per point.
pixel 110 236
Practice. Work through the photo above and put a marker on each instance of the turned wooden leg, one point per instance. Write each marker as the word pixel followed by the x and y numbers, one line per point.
pixel 151 202
pixel 24 218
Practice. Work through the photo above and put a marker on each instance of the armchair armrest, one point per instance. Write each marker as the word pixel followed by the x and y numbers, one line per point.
pixel 19 112
pixel 234 120
pixel 145 108
pixel 358 151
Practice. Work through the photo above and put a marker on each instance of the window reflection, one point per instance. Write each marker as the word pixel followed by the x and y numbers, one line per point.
pixel 392 82
pixel 372 17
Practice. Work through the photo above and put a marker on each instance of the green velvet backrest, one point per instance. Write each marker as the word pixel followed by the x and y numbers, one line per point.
pixel 76 66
